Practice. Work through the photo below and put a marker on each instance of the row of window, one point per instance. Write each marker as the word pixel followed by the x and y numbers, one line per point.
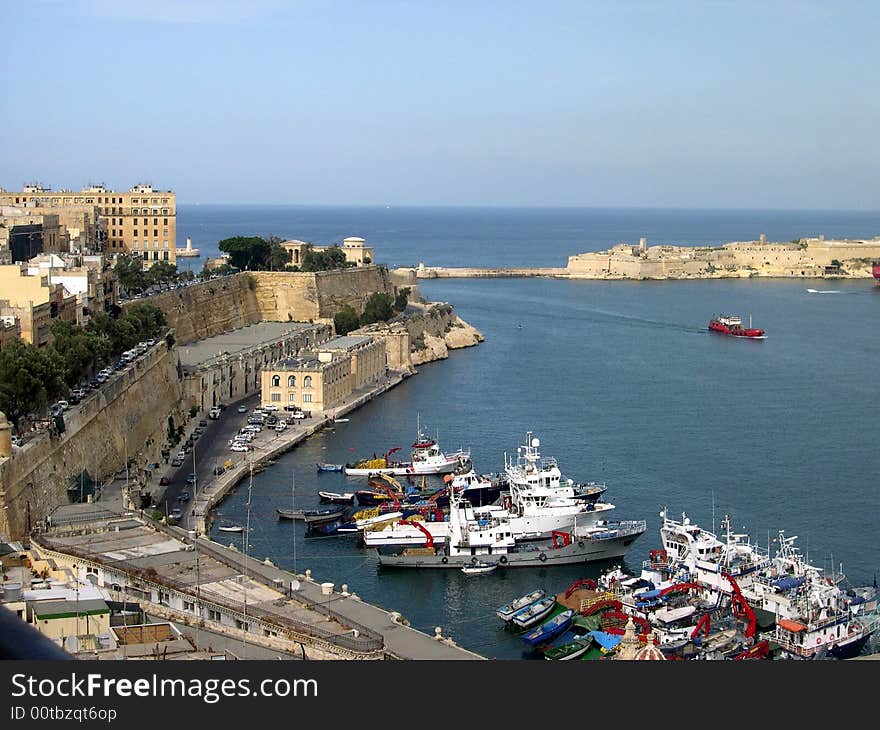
pixel 291 381
pixel 291 397
pixel 135 221
pixel 86 200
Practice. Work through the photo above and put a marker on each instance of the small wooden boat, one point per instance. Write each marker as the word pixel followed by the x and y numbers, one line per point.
pixel 230 528
pixel 478 568
pixel 311 516
pixel 328 467
pixel 550 629
pixel 337 498
pixel 530 615
pixel 570 650
pixel 505 613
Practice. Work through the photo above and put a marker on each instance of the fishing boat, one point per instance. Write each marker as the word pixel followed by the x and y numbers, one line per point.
pixel 530 615
pixel 425 458
pixel 571 649
pixel 549 629
pixel 542 501
pixel 359 524
pixel 312 516
pixel 731 324
pixel 478 568
pixel 475 533
pixel 328 467
pixel 506 612
pixel 336 497
pixel 230 528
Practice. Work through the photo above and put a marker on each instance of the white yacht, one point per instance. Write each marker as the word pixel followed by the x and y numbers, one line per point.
pixel 541 500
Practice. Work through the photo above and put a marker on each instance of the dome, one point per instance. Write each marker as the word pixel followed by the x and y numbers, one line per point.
pixel 353 241
pixel 649 653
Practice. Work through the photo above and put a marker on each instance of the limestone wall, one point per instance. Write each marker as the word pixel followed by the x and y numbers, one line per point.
pixel 208 309
pixel 129 415
pixel 435 330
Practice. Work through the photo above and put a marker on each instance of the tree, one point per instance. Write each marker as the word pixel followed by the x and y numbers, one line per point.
pixel 130 272
pixel 80 351
pixel 401 298
pixel 326 260
pixel 247 252
pixel 29 378
pixel 346 320
pixel 378 308
pixel 161 272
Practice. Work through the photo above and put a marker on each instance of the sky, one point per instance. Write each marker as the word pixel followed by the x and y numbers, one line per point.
pixel 633 103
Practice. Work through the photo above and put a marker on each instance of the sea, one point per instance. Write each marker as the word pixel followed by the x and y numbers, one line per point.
pixel 620 381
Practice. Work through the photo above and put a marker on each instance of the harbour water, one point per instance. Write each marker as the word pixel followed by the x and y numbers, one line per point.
pixel 622 383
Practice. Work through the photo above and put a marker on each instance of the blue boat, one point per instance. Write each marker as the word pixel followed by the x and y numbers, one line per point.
pixel 329 467
pixel 549 629
pixel 527 617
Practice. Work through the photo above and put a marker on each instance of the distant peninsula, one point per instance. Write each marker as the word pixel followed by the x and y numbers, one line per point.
pixel 801 258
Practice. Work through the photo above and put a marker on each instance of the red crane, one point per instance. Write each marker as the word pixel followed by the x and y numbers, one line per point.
pixel 581 583
pixel 429 538
pixel 741 607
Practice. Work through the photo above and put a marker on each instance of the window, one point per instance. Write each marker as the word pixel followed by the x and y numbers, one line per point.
pixel 307 397
pixel 164 255
pixel 135 221
pixel 276 381
pixel 213 615
pixel 307 381
pixel 164 221
pixel 135 231
pixel 276 397
pixel 155 233
pixel 165 243
pixel 291 381
pixel 291 397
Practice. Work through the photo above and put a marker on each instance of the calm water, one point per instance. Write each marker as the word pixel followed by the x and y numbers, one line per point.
pixel 503 236
pixel 623 384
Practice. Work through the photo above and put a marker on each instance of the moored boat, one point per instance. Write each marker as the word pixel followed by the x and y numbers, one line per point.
pixel 230 528
pixel 479 568
pixel 530 615
pixel 312 516
pixel 571 649
pixel 425 458
pixel 731 324
pixel 549 629
pixel 328 467
pixel 336 497
pixel 506 612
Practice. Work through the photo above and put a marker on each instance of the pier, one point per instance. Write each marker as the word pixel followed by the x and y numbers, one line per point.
pixel 443 272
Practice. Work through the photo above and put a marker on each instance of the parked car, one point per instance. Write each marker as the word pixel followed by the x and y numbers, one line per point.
pixel 269 407
pixel 176 461
pixel 184 496
pixel 242 409
pixel 239 447
pixel 218 470
pixel 176 513
pixel 299 415
pixel 214 413
pixel 203 423
pixel 281 427
pixel 191 478
pixel 271 420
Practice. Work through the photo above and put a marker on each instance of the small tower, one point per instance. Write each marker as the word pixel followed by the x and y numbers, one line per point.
pixel 629 644
pixel 643 246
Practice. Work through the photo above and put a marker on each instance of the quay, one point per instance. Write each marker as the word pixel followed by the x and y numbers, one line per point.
pixel 443 272
pixel 219 592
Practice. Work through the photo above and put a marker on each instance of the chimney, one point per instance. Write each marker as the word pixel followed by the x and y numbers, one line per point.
pixel 763 238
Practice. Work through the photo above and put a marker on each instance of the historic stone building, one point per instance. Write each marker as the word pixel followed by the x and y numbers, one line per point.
pixel 141 221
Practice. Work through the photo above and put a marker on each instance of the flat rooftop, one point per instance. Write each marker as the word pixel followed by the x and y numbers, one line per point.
pixel 344 342
pixel 240 340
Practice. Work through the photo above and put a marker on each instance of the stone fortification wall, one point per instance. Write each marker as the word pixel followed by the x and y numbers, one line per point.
pixel 302 297
pixel 129 415
pixel 210 308
pixel 228 303
pixel 435 330
pixel 809 258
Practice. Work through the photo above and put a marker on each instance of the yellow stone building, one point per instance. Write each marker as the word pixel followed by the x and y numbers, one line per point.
pixel 142 221
pixel 312 382
pixel 59 620
pixel 354 248
pixel 367 356
pixel 34 302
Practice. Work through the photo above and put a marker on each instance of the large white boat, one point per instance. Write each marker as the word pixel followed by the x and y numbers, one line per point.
pixel 425 458
pixel 486 534
pixel 541 500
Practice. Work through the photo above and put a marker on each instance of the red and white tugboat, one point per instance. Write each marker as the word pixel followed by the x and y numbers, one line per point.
pixel 731 324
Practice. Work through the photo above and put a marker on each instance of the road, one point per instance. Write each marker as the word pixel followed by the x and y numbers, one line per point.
pixel 209 452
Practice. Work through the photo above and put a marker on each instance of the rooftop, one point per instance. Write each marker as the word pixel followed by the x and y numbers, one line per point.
pixel 304 362
pixel 69 609
pixel 346 342
pixel 237 341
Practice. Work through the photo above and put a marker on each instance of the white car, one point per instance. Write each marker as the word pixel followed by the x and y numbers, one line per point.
pixel 239 447
pixel 253 428
pixel 269 407
pixel 299 415
pixel 281 427
pixel 242 409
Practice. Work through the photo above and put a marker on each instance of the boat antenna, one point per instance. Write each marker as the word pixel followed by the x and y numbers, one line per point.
pixel 713 511
pixel 293 509
pixel 247 537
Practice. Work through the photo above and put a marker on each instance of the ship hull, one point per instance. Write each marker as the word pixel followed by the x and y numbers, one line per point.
pixel 532 556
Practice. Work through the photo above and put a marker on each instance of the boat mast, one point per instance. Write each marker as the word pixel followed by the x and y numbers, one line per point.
pixel 293 509
pixel 247 536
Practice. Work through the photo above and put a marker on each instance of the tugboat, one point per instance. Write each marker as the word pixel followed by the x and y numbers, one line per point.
pixel 731 324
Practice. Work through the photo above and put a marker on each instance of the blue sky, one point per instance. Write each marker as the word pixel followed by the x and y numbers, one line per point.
pixel 628 103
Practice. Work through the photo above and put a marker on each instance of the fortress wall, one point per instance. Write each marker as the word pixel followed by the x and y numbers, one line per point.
pixel 129 415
